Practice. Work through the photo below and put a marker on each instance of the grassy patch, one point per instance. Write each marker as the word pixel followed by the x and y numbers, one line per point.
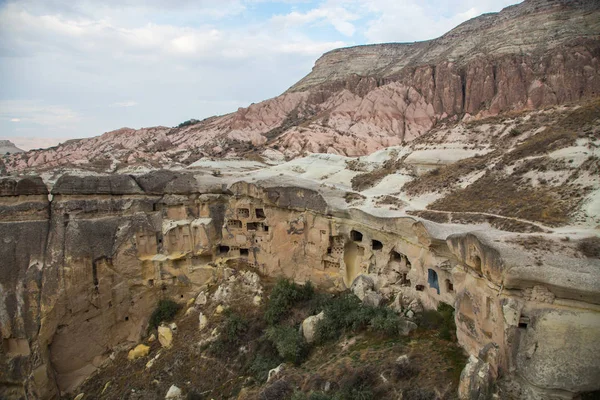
pixel 510 196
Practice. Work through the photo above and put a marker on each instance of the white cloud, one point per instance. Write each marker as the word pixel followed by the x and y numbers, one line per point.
pixel 338 17
pixel 129 103
pixel 184 58
pixel 38 113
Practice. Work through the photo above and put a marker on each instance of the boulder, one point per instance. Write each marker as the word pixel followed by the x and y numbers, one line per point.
pixel 275 371
pixel 165 336
pixel 201 299
pixel 309 326
pixel 372 299
pixel 361 286
pixel 476 381
pixel 202 321
pixel 407 327
pixel 141 350
pixel 174 393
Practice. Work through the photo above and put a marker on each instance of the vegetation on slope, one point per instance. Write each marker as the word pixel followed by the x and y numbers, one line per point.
pixel 354 356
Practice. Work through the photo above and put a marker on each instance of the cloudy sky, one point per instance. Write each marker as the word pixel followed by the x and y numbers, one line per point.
pixel 77 68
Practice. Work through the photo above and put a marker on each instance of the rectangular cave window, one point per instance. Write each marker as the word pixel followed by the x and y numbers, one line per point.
pixel 432 279
pixel 252 226
pixel 244 252
pixel 266 228
pixel 376 245
pixel 150 282
pixel 329 250
pixel 523 322
pixel 243 212
pixel 449 286
pixel 356 236
pixel 420 288
pixel 223 249
pixel 260 213
pixel 234 224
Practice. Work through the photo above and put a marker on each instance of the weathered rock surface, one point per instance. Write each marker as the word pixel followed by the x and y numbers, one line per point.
pixel 81 274
pixel 309 326
pixel 8 147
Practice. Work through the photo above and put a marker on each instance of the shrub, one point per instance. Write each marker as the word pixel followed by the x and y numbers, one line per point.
pixel 418 394
pixel 188 123
pixel 590 247
pixel 401 371
pixel 290 344
pixel 358 385
pixel 441 320
pixel 234 327
pixel 260 366
pixel 164 311
pixel 284 296
pixel 279 390
pixel 515 132
pixel 347 313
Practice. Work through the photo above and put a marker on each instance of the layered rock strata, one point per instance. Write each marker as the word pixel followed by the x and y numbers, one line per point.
pixel 83 267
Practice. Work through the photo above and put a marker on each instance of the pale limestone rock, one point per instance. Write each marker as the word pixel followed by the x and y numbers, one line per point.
pixel 257 300
pixel 219 309
pixel 165 336
pixel 79 396
pixel 152 338
pixel 407 327
pixel 361 286
pixel 190 302
pixel 201 299
pixel 202 321
pixel 372 299
pixel 275 371
pixel 141 350
pixel 403 360
pixel 309 326
pixel 174 393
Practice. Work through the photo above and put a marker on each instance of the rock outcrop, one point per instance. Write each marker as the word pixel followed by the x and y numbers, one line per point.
pixel 357 100
pixel 82 272
pixel 8 147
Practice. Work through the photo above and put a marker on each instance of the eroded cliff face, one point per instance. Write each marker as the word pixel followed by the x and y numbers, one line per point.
pixel 361 99
pixel 83 269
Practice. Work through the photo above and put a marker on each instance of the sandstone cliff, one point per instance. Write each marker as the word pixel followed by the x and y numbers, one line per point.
pixel 361 99
pixel 83 268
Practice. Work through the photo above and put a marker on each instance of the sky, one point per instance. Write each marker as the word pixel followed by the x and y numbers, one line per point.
pixel 79 68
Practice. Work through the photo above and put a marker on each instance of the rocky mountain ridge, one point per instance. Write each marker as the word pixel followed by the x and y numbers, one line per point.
pixel 358 100
pixel 8 147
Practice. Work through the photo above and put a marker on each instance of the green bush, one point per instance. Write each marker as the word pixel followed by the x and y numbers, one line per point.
pixel 234 327
pixel 441 320
pixel 418 394
pixel 312 396
pixel 164 311
pixel 347 313
pixel 290 344
pixel 358 385
pixel 260 366
pixel 188 123
pixel 284 296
